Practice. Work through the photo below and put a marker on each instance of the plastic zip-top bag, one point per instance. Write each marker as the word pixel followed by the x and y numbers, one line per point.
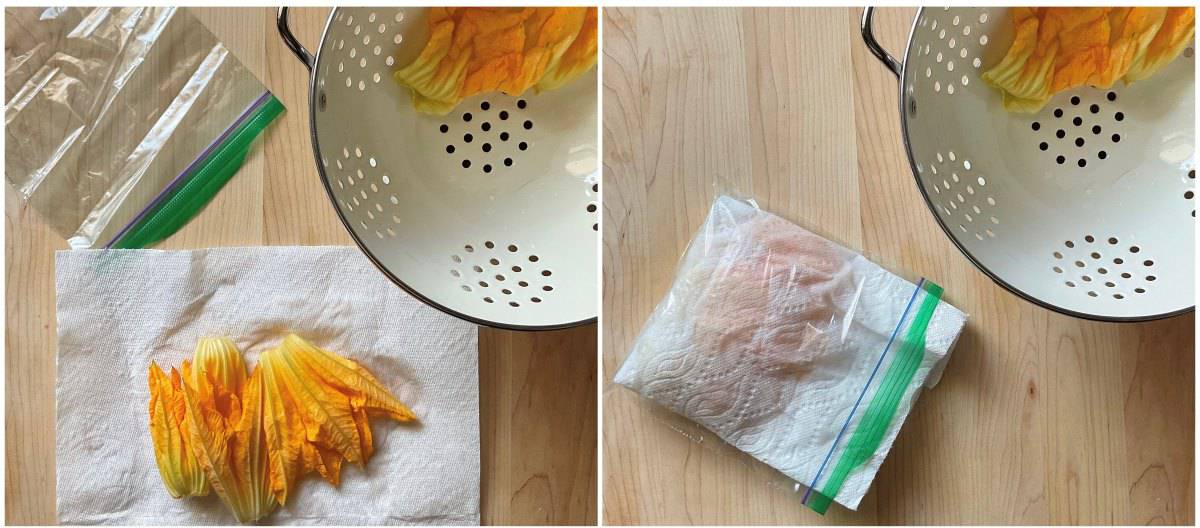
pixel 793 349
pixel 121 123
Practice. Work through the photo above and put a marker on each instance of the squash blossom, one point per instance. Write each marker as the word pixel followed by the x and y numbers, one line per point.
pixel 472 50
pixel 1059 48
pixel 302 410
pixel 180 471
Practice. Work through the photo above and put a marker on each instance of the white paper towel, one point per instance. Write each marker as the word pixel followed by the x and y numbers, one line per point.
pixel 120 309
pixel 768 336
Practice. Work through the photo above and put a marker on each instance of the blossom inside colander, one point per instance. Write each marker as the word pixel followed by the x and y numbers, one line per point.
pixel 488 212
pixel 1085 207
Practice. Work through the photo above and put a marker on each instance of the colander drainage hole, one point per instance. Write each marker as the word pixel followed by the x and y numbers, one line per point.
pixel 1104 277
pixel 1190 194
pixel 1077 121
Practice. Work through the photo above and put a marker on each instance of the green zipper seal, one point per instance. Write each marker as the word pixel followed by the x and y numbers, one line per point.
pixel 882 409
pixel 186 201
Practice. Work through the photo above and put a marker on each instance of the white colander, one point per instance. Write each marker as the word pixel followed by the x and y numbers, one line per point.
pixel 489 213
pixel 1087 207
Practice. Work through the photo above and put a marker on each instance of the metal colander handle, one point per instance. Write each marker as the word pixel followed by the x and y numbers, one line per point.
pixel 869 37
pixel 281 21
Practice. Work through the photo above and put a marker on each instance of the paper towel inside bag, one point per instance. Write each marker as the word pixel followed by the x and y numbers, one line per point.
pixel 769 334
pixel 118 310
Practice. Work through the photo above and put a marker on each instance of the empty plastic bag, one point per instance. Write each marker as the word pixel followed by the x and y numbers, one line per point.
pixel 122 122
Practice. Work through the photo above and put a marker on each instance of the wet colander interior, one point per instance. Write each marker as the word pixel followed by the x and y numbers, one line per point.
pixel 1086 207
pixel 491 212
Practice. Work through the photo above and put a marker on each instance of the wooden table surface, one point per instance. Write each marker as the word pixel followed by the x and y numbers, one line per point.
pixel 1039 418
pixel 537 390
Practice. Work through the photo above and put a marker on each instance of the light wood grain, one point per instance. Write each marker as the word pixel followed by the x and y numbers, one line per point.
pixel 537 391
pixel 1039 418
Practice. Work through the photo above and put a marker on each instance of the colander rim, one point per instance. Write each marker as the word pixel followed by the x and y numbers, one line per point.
pixel 312 130
pixel 930 206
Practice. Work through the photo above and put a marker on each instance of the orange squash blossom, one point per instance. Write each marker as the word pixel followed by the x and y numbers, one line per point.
pixel 302 410
pixel 1056 49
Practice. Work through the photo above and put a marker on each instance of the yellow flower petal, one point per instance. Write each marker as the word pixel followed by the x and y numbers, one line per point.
pixel 348 378
pixel 578 58
pixel 482 49
pixel 1178 28
pixel 180 472
pixel 284 431
pixel 325 412
pixel 231 447
pixel 220 357
pixel 1060 48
